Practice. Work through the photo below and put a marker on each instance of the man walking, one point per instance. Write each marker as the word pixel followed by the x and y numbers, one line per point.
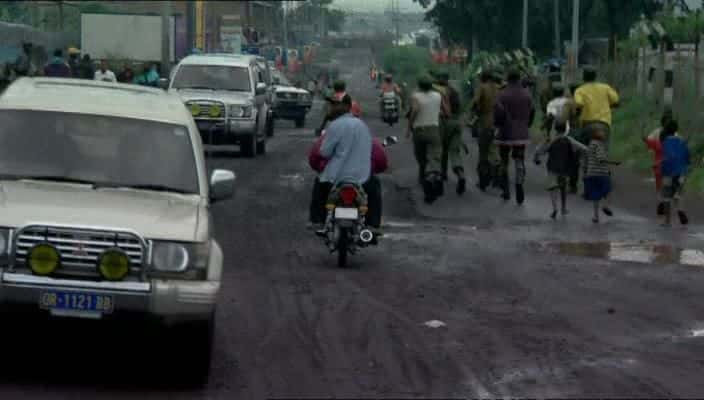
pixel 483 107
pixel 594 101
pixel 424 124
pixel 451 132
pixel 514 114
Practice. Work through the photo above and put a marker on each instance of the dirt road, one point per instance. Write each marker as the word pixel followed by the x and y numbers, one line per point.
pixel 527 307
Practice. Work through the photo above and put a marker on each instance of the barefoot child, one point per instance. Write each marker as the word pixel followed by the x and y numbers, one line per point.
pixel 654 143
pixel 675 165
pixel 597 178
pixel 562 152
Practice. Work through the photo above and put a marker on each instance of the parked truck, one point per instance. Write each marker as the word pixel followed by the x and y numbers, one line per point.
pixel 129 36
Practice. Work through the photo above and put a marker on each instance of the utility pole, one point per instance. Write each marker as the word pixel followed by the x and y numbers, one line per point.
pixel 558 45
pixel 395 21
pixel 525 24
pixel 575 38
pixel 61 15
pixel 165 38
pixel 285 14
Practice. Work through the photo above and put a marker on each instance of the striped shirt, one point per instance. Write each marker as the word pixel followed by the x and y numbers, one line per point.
pixel 597 160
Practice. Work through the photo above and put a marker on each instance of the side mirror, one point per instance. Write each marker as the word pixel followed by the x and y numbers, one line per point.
pixel 222 185
pixel 164 83
pixel 390 140
pixel 261 88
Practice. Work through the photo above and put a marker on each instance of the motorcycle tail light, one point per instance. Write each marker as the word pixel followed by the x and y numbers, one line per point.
pixel 348 195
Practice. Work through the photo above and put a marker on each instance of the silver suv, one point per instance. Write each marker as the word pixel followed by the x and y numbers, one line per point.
pixel 105 208
pixel 227 95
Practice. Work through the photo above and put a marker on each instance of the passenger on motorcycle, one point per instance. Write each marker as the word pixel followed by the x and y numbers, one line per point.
pixel 339 91
pixel 347 146
pixel 372 187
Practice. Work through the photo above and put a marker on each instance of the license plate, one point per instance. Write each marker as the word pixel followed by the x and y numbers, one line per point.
pixel 64 302
pixel 346 213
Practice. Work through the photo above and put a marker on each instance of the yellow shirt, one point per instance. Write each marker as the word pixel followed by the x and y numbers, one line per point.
pixel 596 100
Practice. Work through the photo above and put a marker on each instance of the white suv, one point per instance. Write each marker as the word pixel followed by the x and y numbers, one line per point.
pixel 227 96
pixel 105 207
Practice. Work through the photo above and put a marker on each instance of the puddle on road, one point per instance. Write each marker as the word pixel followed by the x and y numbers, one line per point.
pixel 642 253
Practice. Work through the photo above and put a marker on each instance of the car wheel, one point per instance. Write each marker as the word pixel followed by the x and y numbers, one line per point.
pixel 248 146
pixel 261 147
pixel 194 366
pixel 301 122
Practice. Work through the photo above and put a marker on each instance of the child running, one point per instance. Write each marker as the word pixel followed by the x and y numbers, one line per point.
pixel 562 151
pixel 654 143
pixel 597 178
pixel 674 168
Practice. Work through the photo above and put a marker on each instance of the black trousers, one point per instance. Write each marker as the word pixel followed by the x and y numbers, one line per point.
pixel 321 191
pixel 518 154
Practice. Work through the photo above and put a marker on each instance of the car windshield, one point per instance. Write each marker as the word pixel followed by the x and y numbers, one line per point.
pixel 106 151
pixel 213 77
pixel 283 81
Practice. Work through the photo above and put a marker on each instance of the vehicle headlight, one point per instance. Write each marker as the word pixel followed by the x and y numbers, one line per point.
pixel 239 111
pixel 180 260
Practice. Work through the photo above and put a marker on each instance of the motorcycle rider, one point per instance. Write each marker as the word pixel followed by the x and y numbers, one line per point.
pixel 347 146
pixel 372 187
pixel 389 86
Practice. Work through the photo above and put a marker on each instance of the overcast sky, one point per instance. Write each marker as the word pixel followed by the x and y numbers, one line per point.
pixel 376 5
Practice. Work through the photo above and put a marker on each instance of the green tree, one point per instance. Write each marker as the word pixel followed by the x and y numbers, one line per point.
pixel 495 24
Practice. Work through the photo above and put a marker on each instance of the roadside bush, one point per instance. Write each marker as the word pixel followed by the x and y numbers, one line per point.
pixel 407 63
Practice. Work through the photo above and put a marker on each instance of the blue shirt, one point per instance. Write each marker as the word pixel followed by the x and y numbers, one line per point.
pixel 675 154
pixel 348 147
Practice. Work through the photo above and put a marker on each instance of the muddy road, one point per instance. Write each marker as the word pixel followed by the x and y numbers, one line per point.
pixel 470 297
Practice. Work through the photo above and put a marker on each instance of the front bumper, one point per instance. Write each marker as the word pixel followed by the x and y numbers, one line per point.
pixel 225 131
pixel 171 301
pixel 291 111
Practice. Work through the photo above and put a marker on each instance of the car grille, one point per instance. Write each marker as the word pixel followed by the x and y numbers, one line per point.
pixel 79 248
pixel 204 109
pixel 287 96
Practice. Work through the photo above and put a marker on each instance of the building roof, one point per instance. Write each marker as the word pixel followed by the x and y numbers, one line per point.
pixel 94 97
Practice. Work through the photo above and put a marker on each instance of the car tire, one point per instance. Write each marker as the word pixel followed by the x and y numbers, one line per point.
pixel 248 146
pixel 194 368
pixel 301 122
pixel 261 147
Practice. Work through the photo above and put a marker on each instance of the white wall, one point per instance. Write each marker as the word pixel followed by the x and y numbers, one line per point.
pixel 134 37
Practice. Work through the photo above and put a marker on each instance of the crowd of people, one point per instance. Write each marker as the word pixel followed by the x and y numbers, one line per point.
pixel 78 67
pixel 577 127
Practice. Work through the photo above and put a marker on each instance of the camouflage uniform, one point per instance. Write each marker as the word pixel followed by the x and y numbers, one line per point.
pixel 451 134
